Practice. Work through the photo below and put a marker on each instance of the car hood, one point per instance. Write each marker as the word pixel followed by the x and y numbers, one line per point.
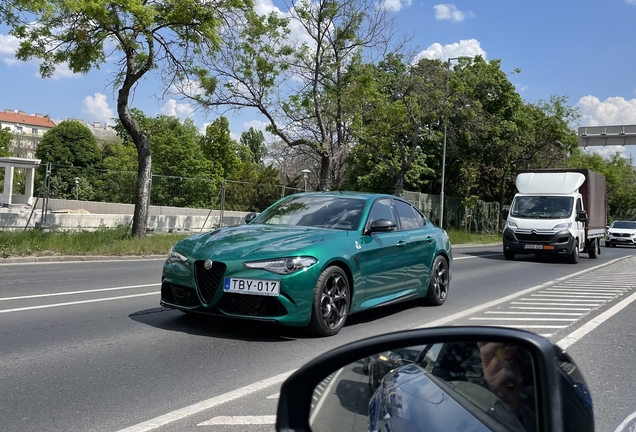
pixel 254 241
pixel 621 230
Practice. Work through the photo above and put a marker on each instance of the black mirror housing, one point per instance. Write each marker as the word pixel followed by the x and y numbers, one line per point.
pixel 381 225
pixel 294 406
pixel 504 214
pixel 250 217
pixel 581 216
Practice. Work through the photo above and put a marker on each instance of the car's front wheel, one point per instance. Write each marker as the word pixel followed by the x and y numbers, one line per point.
pixel 331 302
pixel 438 284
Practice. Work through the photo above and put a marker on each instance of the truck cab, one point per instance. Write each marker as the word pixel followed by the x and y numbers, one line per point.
pixel 550 215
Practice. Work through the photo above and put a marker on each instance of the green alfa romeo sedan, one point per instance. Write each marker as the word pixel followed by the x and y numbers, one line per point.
pixel 312 259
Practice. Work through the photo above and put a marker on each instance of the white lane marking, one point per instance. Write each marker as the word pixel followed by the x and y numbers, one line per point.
pixel 532 313
pixel 324 396
pixel 81 261
pixel 476 256
pixel 521 319
pixel 78 292
pixel 77 302
pixel 574 296
pixel 625 422
pixel 563 299
pixel 240 420
pixel 585 291
pixel 475 309
pixel 523 326
pixel 592 324
pixel 274 396
pixel 547 308
pixel 207 404
pixel 545 303
pixel 545 334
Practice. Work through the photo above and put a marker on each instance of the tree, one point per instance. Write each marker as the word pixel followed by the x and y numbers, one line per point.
pixel 68 145
pixel 160 35
pixel 255 141
pixel 220 149
pixel 5 142
pixel 300 87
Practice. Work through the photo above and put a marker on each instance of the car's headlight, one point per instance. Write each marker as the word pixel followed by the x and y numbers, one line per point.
pixel 282 265
pixel 174 256
pixel 566 225
pixel 510 224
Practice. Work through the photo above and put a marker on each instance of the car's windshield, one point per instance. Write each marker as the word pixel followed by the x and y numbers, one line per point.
pixel 623 225
pixel 544 207
pixel 315 211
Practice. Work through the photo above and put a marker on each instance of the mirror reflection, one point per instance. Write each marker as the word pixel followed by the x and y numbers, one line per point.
pixel 453 386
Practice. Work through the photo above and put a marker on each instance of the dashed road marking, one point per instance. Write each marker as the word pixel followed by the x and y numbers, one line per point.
pixel 240 420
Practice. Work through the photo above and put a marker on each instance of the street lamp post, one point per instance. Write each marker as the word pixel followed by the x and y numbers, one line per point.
pixel 77 179
pixel 305 173
pixel 441 195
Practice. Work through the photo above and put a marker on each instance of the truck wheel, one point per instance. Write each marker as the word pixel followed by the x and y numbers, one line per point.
pixel 509 255
pixel 573 258
pixel 592 249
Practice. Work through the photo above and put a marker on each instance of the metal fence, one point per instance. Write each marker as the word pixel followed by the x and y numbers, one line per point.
pixel 86 184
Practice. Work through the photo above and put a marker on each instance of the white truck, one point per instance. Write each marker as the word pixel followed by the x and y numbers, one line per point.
pixel 559 212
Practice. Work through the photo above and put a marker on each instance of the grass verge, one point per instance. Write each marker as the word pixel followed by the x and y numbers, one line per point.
pixel 118 241
pixel 107 241
pixel 458 237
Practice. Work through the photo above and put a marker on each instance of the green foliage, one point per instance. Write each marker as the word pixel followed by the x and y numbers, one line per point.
pixel 5 142
pixel 619 177
pixel 220 149
pixel 254 140
pixel 72 149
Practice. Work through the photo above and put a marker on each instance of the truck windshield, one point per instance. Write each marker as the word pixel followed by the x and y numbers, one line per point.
pixel 543 207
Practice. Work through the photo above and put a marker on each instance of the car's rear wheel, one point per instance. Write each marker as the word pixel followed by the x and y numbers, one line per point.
pixel 592 249
pixel 438 284
pixel 331 302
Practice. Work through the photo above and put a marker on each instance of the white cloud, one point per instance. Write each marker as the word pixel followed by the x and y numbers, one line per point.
pixel 631 2
pixel 8 46
pixel 235 136
pixel 256 124
pixel 465 47
pixel 175 109
pixel 607 152
pixel 611 111
pixel 523 88
pixel 394 5
pixel 450 12
pixel 187 87
pixel 97 109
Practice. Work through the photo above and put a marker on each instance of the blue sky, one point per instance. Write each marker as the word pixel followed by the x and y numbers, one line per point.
pixel 582 49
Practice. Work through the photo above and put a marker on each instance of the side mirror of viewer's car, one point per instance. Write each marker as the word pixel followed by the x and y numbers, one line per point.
pixel 439 379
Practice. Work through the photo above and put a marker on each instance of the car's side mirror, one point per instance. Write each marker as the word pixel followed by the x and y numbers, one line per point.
pixel 439 379
pixel 607 227
pixel 381 225
pixel 504 214
pixel 250 217
pixel 581 216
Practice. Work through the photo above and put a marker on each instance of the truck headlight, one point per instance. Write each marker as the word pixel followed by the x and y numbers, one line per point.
pixel 510 224
pixel 561 226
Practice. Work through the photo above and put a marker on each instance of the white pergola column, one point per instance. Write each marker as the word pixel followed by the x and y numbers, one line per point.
pixel 7 194
pixel 28 190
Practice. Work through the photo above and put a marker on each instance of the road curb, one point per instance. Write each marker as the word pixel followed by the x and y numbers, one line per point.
pixel 76 258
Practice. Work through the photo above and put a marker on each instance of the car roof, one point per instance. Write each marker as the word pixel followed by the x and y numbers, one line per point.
pixel 345 194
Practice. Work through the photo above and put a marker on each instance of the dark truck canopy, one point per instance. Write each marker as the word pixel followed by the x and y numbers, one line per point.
pixel 593 192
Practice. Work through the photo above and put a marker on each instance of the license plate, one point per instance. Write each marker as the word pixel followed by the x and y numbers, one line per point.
pixel 252 286
pixel 533 246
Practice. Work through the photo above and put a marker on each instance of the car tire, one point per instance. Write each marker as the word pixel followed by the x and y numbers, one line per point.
pixel 592 249
pixel 573 258
pixel 332 298
pixel 509 256
pixel 438 283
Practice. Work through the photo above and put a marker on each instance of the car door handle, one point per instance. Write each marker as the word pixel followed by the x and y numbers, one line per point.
pixel 429 239
pixel 401 243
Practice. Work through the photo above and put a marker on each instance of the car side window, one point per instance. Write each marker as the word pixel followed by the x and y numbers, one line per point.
pixel 381 209
pixel 406 214
pixel 419 217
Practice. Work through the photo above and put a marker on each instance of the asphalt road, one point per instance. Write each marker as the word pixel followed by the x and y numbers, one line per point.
pixel 85 346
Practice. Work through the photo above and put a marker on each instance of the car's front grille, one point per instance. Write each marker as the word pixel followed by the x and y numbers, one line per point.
pixel 253 305
pixel 208 280
pixel 179 295
pixel 623 235
pixel 538 238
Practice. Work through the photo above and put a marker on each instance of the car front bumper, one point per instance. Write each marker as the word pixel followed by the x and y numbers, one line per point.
pixel 627 241
pixel 560 243
pixel 184 286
